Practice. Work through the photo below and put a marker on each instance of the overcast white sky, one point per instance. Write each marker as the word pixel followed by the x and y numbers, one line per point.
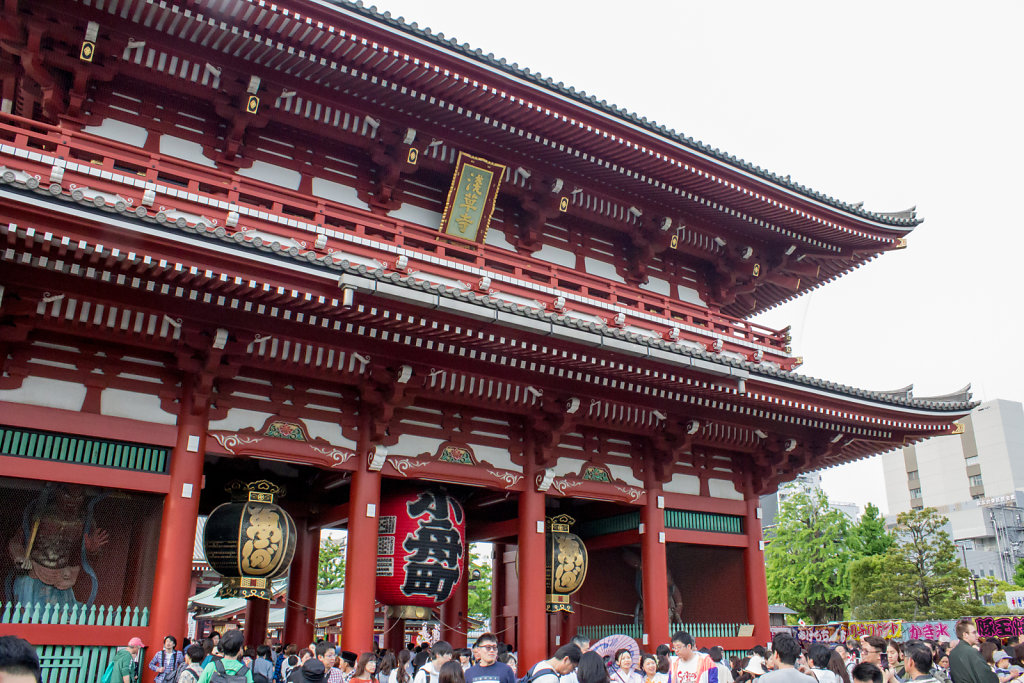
pixel 891 103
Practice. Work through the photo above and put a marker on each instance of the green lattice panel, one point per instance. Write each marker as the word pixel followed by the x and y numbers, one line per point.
pixel 608 525
pixel 73 664
pixel 26 443
pixel 703 521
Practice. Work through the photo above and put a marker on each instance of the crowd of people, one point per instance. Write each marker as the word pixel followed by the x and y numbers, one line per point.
pixel 871 659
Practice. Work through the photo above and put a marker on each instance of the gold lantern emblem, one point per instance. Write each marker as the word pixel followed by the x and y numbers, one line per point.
pixel 566 563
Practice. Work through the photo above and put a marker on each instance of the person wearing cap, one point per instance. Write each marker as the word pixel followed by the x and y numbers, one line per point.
pixel 347 664
pixel 231 662
pixel 311 671
pixel 126 663
pixel 1003 670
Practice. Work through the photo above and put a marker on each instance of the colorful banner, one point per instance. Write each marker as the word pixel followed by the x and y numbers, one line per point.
pixel 882 629
pixel 929 630
pixel 999 627
pixel 828 633
pixel 470 203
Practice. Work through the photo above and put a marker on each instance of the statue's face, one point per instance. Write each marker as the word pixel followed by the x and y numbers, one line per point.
pixel 69 498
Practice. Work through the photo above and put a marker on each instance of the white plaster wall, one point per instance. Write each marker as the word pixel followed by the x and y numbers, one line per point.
pixel 683 483
pixel 411 445
pixel 689 295
pixel 625 474
pixel 418 215
pixel 657 285
pixel 328 189
pixel 112 129
pixel 273 174
pixel 495 457
pixel 602 269
pixel 566 466
pixel 720 488
pixel 135 406
pixel 238 419
pixel 330 432
pixel 184 149
pixel 495 238
pixel 51 393
pixel 552 254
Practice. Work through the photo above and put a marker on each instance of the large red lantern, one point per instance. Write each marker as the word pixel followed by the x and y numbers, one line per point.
pixel 421 551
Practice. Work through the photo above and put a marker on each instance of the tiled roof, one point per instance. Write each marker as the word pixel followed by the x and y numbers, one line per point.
pixel 907 218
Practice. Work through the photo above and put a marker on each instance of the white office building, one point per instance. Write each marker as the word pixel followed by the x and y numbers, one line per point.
pixel 976 479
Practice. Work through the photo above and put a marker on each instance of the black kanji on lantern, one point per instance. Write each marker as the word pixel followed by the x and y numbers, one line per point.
pixel 434 549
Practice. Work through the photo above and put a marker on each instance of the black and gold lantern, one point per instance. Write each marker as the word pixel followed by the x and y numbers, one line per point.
pixel 249 541
pixel 566 563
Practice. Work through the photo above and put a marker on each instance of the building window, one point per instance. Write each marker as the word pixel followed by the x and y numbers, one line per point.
pixel 974 480
pixel 977 496
pixel 973 460
pixel 915 493
pixel 913 475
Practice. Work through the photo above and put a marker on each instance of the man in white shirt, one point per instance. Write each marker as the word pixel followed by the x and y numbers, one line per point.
pixel 440 652
pixel 689 664
pixel 561 664
pixel 583 643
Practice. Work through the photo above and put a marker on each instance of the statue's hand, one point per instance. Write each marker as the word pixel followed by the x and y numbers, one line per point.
pixel 96 540
pixel 25 563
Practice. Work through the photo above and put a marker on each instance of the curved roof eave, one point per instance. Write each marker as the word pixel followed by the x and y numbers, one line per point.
pixel 898 220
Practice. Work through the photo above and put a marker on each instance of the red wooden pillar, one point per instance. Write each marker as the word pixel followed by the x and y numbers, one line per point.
pixel 300 609
pixel 173 576
pixel 394 638
pixel 257 616
pixel 455 613
pixel 757 583
pixel 654 563
pixel 498 599
pixel 533 633
pixel 361 561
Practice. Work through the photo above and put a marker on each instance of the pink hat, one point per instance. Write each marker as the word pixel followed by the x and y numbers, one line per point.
pixel 136 642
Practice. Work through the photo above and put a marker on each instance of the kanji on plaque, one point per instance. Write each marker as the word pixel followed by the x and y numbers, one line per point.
pixel 421 547
pixel 470 203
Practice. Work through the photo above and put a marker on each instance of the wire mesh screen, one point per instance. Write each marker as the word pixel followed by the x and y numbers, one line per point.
pixel 76 554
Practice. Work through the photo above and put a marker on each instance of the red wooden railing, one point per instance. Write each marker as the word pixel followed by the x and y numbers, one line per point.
pixel 122 173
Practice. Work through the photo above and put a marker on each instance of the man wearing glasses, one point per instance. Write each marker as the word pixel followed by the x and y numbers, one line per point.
pixel 488 669
pixel 966 665
pixel 871 650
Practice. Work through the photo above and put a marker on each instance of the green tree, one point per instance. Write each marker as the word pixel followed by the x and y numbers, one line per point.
pixel 869 535
pixel 920 577
pixel 807 558
pixel 479 588
pixel 1018 572
pixel 331 567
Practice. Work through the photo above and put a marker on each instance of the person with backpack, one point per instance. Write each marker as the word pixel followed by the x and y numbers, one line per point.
pixel 488 669
pixel 125 667
pixel 262 667
pixel 191 669
pixel 166 661
pixel 440 652
pixel 563 662
pixel 229 668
